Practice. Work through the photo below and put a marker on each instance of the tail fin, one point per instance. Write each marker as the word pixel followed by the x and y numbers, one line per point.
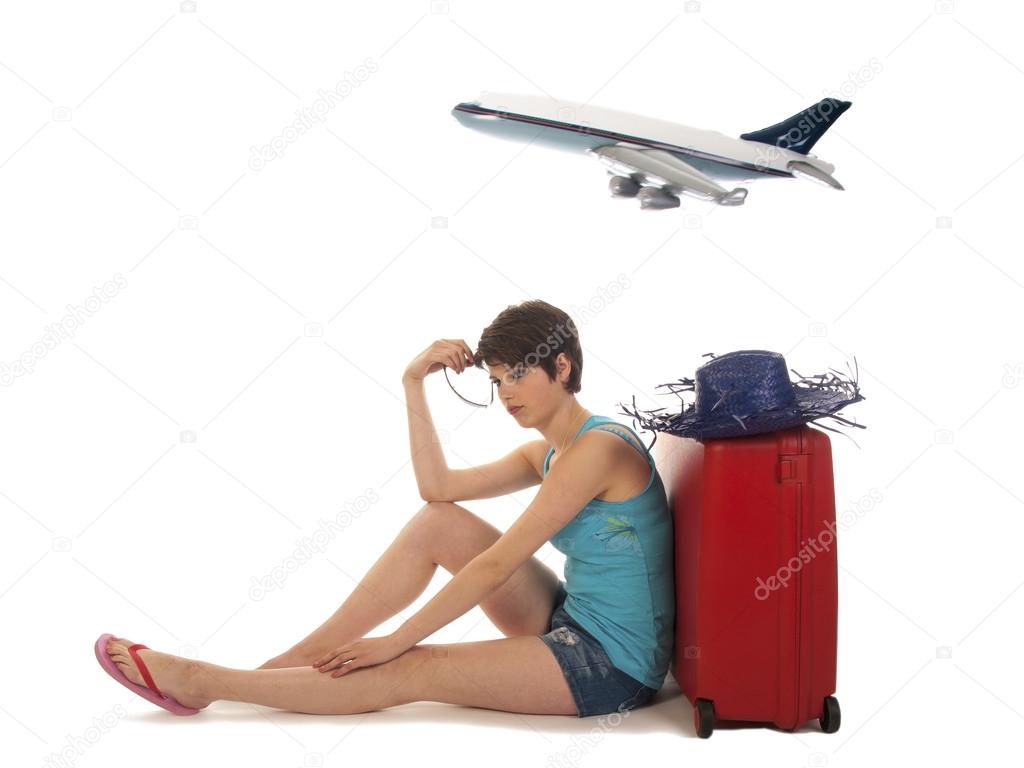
pixel 800 132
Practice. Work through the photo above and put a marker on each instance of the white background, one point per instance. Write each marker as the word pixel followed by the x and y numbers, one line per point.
pixel 124 151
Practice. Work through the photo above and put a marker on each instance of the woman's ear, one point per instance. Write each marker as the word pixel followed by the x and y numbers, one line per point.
pixel 563 366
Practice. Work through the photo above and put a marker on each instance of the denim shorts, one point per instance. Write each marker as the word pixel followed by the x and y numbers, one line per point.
pixel 598 687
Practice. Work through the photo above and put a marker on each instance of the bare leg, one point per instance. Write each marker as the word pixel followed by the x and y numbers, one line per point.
pixel 444 534
pixel 516 674
pixel 305 689
pixel 393 583
pixel 299 689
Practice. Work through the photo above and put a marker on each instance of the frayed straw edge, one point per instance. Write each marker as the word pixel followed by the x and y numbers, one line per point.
pixel 834 383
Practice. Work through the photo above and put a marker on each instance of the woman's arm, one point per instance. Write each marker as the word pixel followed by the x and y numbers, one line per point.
pixel 428 460
pixel 577 477
pixel 427 457
pixel 580 475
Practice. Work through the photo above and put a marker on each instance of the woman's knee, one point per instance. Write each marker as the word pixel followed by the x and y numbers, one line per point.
pixel 438 509
pixel 430 525
pixel 432 517
pixel 451 533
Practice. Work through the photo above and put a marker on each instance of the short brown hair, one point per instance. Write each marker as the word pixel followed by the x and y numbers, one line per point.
pixel 532 332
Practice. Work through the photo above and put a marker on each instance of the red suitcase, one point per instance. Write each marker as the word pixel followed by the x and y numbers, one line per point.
pixel 756 576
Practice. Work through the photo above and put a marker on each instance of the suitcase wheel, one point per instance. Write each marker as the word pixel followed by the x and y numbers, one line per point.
pixel 704 717
pixel 830 715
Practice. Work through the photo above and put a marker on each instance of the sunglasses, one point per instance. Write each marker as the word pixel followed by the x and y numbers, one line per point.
pixel 508 378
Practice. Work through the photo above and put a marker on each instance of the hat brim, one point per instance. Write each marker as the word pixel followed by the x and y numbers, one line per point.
pixel 816 397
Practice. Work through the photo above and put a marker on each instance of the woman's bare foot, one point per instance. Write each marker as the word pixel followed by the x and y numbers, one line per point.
pixel 175 677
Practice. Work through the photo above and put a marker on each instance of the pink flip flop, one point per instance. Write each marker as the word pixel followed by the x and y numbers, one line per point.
pixel 152 693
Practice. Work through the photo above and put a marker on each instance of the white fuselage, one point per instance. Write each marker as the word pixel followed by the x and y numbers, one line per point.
pixel 574 126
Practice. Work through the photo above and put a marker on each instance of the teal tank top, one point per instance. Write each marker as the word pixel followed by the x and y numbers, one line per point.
pixel 620 571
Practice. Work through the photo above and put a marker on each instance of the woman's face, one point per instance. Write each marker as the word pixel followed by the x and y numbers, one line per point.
pixel 525 391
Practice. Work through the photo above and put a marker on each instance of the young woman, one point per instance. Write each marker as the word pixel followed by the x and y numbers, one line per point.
pixel 597 642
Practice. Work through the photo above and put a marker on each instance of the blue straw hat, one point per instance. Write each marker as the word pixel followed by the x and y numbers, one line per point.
pixel 749 392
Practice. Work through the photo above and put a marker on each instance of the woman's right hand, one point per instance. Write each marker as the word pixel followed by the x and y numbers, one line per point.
pixel 454 353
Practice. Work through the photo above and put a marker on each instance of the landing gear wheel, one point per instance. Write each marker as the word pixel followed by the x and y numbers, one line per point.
pixel 704 717
pixel 830 715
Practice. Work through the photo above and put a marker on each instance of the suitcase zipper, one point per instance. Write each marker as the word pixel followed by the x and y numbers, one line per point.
pixel 793 471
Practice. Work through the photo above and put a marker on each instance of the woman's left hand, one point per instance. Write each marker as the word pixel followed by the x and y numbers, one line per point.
pixel 365 652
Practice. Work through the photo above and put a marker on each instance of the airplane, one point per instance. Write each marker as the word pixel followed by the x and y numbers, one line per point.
pixel 656 161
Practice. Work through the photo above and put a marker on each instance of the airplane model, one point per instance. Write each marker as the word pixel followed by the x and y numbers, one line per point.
pixel 656 161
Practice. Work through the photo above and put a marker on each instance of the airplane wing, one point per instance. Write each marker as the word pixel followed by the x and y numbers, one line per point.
pixel 664 176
